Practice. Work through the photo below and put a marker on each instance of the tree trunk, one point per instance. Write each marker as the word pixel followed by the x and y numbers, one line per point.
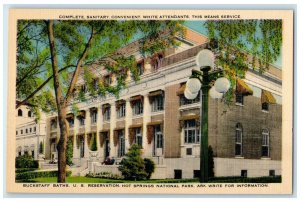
pixel 62 146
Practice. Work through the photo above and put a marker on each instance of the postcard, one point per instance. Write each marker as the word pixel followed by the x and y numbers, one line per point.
pixel 150 101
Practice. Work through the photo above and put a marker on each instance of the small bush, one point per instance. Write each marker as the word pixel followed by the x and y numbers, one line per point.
pixel 69 153
pixel 26 161
pixel 104 175
pixel 149 167
pixel 35 174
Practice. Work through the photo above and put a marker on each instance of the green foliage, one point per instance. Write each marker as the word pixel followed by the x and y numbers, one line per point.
pixel 69 152
pixel 132 165
pixel 239 179
pixel 22 170
pixel 41 148
pixel 211 163
pixel 149 167
pixel 93 144
pixel 236 40
pixel 26 161
pixel 35 174
pixel 104 175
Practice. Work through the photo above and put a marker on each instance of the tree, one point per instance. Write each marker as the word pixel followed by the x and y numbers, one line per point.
pixel 132 165
pixel 244 43
pixel 51 55
pixel 41 148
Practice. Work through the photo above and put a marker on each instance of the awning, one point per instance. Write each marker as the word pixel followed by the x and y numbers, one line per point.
pixel 104 131
pixel 81 114
pixel 180 91
pixel 105 107
pixel 119 102
pixel 267 97
pixel 93 109
pixel 154 123
pixel 119 128
pixel 135 98
pixel 189 117
pixel 156 93
pixel 136 126
pixel 243 88
pixel 70 116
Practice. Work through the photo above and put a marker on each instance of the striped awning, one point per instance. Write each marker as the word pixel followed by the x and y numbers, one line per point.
pixel 189 117
pixel 136 125
pixel 243 88
pixel 156 93
pixel 180 91
pixel 70 116
pixel 135 98
pixel 154 123
pixel 81 114
pixel 267 97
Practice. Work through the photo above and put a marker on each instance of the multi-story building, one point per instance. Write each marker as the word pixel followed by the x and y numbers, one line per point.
pixel 30 133
pixel 245 135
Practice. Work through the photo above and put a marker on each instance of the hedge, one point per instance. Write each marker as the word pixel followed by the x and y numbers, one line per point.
pixel 22 170
pixel 26 161
pixel 36 174
pixel 239 179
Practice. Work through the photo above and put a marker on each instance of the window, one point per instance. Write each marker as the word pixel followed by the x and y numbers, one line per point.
pixel 191 132
pixel 83 88
pixel 137 107
pixel 159 142
pixel 53 125
pixel 94 117
pixel 239 99
pixel 238 139
pixel 26 130
pixel 21 132
pixel 140 68
pixel 265 143
pixel 265 106
pixel 196 173
pixel 157 62
pixel 32 153
pixel 121 151
pixel 244 173
pixel 20 112
pixel 157 103
pixel 138 137
pixel 81 121
pixel 272 173
pixel 184 101
pixel 29 114
pixel 177 174
pixel 121 110
pixel 95 84
pixel 34 129
pixel 16 132
pixel 189 151
pixel 106 115
pixel 30 129
pixel 71 122
pixel 107 80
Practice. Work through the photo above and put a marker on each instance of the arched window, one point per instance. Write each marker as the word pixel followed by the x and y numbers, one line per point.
pixel 29 113
pixel 265 147
pixel 238 139
pixel 20 112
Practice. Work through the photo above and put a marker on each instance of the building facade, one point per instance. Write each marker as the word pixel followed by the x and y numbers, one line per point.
pixel 245 135
pixel 30 133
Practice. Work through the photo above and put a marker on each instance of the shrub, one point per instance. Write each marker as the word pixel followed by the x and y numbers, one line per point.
pixel 26 161
pixel 35 174
pixel 149 167
pixel 132 165
pixel 22 170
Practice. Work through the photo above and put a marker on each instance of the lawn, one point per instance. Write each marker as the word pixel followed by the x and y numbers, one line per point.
pixel 76 179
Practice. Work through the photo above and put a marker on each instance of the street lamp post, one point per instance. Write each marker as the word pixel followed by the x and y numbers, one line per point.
pixel 202 80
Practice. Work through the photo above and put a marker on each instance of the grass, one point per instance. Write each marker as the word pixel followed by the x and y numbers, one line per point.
pixel 75 179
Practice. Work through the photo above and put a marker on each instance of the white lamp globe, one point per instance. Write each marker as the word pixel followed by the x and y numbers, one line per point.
pixel 205 58
pixel 193 85
pixel 189 95
pixel 215 94
pixel 222 85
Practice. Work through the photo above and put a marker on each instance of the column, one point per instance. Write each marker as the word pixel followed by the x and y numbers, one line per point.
pixel 113 148
pixel 87 126
pixel 146 119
